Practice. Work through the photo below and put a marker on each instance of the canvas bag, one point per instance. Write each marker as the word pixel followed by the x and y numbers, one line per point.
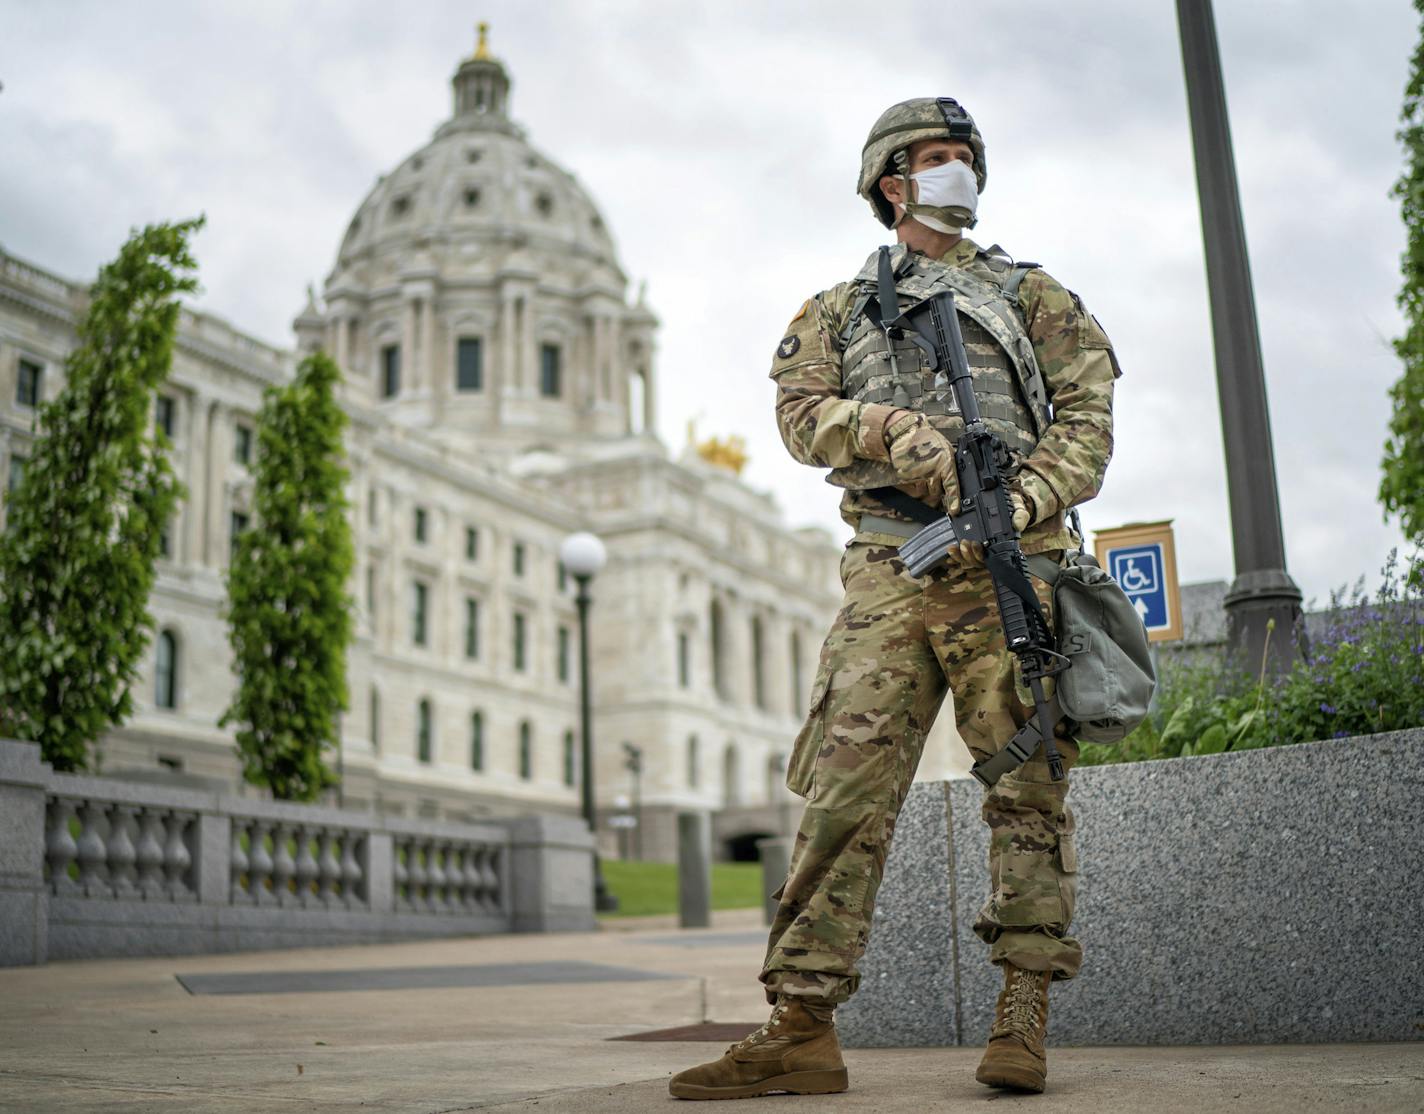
pixel 1107 689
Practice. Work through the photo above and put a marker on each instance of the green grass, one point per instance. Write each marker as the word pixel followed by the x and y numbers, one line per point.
pixel 647 888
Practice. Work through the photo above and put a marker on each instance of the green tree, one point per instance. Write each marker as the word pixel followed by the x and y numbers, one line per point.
pixel 84 525
pixel 1402 487
pixel 289 617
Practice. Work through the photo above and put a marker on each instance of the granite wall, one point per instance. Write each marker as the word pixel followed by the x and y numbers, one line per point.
pixel 1268 896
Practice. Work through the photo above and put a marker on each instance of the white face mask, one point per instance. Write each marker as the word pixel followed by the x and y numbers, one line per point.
pixel 948 197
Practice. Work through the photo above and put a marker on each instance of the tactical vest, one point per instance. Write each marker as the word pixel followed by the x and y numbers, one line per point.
pixel 1008 385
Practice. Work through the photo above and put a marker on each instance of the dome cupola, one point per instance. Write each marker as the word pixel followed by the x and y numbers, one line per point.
pixel 477 291
pixel 481 89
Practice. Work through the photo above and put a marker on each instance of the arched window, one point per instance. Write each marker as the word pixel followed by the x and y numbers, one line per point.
pixel 375 720
pixel 166 670
pixel 692 761
pixel 526 751
pixel 477 740
pixel 423 742
pixel 731 776
pixel 569 764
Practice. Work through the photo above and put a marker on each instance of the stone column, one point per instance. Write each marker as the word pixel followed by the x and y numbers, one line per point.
pixel 529 346
pixel 694 869
pixel 550 874
pixel 410 379
pixel 214 858
pixel 190 552
pixel 649 402
pixel 617 381
pixel 604 348
pixel 343 342
pixel 440 363
pixel 588 363
pixel 218 447
pixel 429 357
pixel 452 613
pixel 24 897
pixel 506 367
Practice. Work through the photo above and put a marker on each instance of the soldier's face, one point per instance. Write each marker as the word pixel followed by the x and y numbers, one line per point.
pixel 924 155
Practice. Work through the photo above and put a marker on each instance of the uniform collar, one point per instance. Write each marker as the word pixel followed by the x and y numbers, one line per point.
pixel 963 253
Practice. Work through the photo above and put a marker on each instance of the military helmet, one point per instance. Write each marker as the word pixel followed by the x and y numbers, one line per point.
pixel 905 123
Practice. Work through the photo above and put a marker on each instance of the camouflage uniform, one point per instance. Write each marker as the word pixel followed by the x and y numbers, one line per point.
pixel 899 643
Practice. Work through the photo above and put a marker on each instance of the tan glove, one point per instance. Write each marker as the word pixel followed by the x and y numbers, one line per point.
pixel 1022 515
pixel 919 453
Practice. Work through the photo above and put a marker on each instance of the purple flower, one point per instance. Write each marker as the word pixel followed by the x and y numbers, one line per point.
pixel 1328 709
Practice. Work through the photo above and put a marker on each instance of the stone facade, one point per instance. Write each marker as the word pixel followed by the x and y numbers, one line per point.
pixel 501 391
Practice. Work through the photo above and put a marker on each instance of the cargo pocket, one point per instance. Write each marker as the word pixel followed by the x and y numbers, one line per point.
pixel 801 769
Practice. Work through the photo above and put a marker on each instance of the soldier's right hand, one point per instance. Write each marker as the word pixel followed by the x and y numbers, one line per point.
pixel 920 453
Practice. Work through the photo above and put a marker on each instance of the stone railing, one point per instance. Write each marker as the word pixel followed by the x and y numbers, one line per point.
pixel 91 867
pixel 1262 897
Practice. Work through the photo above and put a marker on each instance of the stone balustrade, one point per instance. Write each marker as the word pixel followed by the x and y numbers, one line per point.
pixel 92 866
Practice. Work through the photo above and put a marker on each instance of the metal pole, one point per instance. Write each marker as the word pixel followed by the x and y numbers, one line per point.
pixel 1263 595
pixel 603 901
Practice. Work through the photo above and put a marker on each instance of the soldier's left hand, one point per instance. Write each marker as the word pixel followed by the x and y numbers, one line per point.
pixel 966 554
pixel 1022 515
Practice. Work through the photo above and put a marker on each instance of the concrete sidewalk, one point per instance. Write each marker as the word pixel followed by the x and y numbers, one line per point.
pixel 125 1035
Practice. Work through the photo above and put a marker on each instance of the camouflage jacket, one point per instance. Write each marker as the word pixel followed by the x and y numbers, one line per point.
pixel 823 428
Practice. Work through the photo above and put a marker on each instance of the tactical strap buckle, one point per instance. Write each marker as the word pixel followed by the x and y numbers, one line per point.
pixel 1016 752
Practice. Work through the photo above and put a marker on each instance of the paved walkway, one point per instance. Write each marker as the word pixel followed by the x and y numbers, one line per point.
pixel 125 1035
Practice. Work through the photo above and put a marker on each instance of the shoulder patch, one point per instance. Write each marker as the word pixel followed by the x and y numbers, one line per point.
pixel 790 344
pixel 800 313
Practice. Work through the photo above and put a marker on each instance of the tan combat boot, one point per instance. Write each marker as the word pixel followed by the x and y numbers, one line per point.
pixel 796 1050
pixel 1015 1057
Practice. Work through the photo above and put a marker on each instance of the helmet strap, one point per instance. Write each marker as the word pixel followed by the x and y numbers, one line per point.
pixel 901 159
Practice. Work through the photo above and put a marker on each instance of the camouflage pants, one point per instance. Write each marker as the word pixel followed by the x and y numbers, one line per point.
pixel 897 645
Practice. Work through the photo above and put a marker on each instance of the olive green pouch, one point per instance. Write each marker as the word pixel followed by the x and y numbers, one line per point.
pixel 1108 687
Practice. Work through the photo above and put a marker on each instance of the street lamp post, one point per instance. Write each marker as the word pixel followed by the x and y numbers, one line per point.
pixel 584 555
pixel 1263 604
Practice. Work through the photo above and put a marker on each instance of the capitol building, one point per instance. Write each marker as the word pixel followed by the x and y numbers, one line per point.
pixel 501 386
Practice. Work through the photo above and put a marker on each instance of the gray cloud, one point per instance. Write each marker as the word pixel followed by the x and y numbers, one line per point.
pixel 721 143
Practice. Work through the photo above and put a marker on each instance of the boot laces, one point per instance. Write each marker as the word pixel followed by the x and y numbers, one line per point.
pixel 763 1030
pixel 1021 1011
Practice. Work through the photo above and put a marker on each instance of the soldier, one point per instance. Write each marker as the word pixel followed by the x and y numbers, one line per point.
pixel 857 399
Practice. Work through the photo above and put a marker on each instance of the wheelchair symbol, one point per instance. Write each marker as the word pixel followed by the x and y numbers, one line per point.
pixel 1134 580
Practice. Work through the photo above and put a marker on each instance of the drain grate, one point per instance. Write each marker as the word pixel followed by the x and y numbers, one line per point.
pixel 707 1031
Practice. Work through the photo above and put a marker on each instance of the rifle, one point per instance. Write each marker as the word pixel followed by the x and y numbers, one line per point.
pixel 986 516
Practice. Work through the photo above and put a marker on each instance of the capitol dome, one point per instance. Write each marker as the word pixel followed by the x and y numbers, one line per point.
pixel 477 289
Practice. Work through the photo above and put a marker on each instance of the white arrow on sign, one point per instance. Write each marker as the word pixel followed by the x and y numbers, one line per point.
pixel 1141 609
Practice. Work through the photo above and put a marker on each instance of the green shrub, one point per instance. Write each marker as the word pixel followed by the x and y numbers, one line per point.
pixel 1361 672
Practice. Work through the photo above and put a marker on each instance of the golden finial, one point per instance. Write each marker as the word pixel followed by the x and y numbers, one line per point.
pixel 729 453
pixel 482 53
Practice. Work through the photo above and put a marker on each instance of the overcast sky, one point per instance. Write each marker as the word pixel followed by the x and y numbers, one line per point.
pixel 722 143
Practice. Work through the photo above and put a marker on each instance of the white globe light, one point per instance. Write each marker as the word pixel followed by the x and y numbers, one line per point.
pixel 583 554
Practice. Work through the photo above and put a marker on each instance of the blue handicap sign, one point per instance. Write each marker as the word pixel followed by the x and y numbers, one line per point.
pixel 1138 569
